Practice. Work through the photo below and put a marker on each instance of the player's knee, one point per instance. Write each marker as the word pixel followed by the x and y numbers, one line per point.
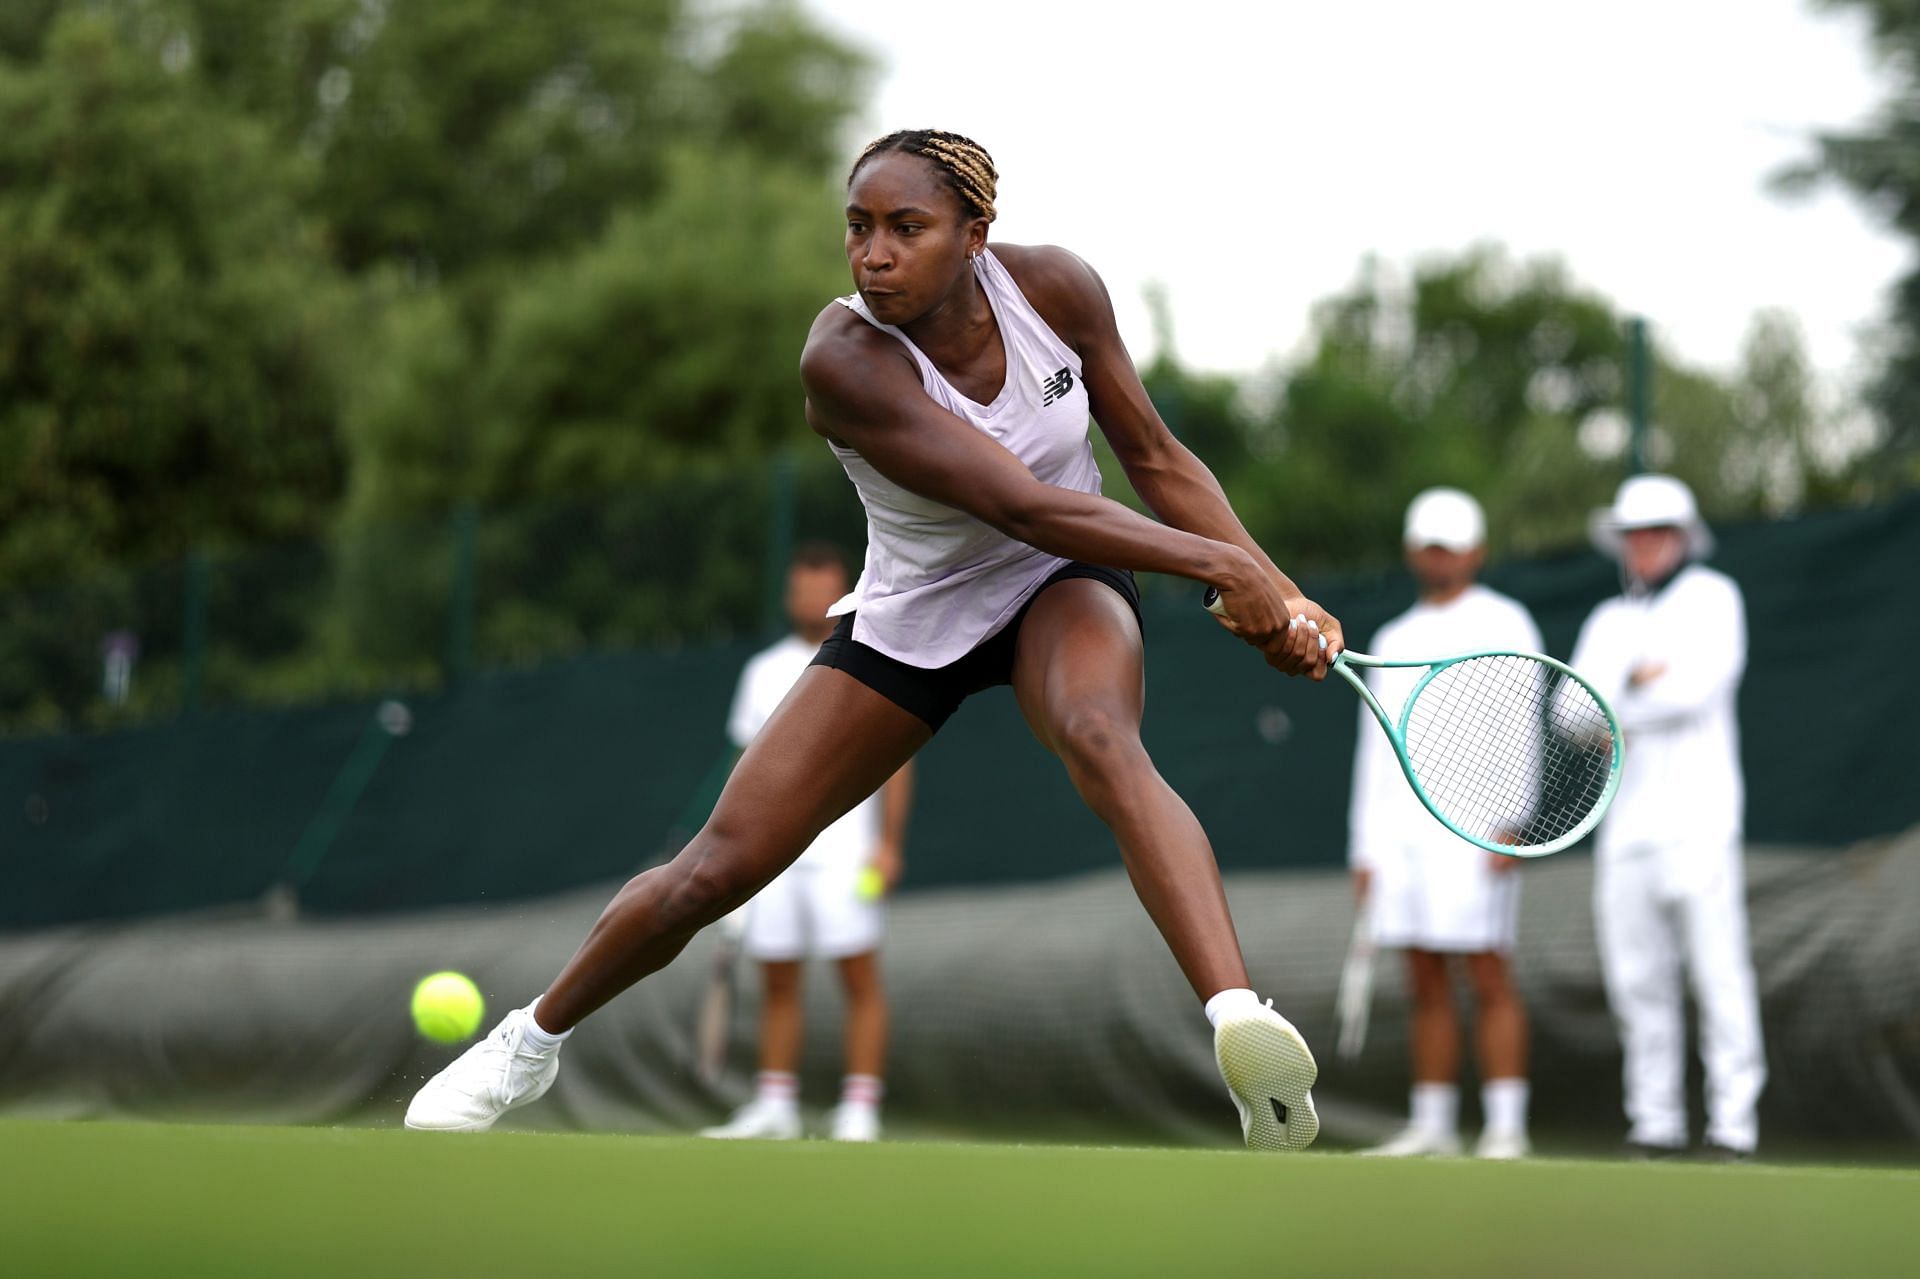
pixel 1096 741
pixel 709 885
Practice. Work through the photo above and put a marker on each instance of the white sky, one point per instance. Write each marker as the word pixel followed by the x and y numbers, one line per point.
pixel 1248 155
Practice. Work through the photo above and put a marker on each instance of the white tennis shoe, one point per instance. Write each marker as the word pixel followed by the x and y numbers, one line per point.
pixel 1269 1072
pixel 1494 1144
pixel 758 1121
pixel 855 1123
pixel 486 1081
pixel 1412 1143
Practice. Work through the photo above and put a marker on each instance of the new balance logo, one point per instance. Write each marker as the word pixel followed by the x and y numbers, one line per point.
pixel 1056 386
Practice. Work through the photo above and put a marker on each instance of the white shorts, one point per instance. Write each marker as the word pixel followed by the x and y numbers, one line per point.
pixel 812 911
pixel 1447 899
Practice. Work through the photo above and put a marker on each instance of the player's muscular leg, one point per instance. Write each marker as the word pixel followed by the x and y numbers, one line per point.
pixel 780 1016
pixel 1079 675
pixel 1501 1017
pixel 1436 1027
pixel 830 745
pixel 866 1014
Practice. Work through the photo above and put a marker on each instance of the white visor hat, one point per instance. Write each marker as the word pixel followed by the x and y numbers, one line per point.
pixel 1447 518
pixel 1650 501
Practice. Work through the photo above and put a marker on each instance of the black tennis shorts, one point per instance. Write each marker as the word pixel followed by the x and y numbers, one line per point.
pixel 936 694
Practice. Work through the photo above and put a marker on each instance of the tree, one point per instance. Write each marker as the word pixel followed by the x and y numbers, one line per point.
pixel 458 138
pixel 165 320
pixel 1505 379
pixel 1475 372
pixel 1880 163
pixel 658 363
pixel 274 270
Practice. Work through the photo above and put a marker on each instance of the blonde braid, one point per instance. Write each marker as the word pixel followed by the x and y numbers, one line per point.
pixel 968 167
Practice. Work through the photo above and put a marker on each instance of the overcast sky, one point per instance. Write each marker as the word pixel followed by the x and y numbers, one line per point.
pixel 1248 155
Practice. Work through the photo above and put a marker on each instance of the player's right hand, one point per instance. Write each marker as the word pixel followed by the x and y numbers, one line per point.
pixel 1294 634
pixel 1317 639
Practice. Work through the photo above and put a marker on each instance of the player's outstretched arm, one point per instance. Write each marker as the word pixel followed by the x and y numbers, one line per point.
pixel 864 393
pixel 1175 484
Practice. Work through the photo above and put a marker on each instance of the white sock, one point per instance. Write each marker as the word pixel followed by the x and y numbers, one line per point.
pixel 1231 1003
pixel 1436 1108
pixel 861 1092
pixel 1504 1102
pixel 541 1040
pixel 778 1089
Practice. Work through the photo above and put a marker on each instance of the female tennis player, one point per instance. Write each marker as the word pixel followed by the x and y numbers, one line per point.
pixel 955 385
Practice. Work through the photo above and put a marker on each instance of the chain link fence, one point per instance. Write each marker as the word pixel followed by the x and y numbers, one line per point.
pixel 418 606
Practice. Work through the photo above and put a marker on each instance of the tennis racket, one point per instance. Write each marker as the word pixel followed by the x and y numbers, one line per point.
pixel 1512 751
pixel 1353 1004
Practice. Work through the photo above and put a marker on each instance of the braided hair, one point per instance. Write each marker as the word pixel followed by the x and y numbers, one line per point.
pixel 968 168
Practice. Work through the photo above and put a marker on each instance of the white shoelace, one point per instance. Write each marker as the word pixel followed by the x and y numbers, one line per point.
pixel 510 1039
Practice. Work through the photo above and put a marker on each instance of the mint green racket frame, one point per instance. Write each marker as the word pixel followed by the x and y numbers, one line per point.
pixel 1344 665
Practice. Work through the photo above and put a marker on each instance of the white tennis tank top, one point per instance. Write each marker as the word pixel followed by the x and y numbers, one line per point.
pixel 937 582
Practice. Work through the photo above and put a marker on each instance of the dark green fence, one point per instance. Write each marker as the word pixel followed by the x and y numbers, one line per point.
pixel 518 782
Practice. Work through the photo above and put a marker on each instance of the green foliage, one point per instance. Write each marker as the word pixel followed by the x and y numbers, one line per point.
pixel 654 364
pixel 166 319
pixel 270 270
pixel 671 343
pixel 454 138
pixel 1506 379
pixel 1879 162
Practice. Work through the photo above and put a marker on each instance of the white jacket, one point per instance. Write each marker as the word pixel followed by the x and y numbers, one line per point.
pixel 1682 784
pixel 1386 822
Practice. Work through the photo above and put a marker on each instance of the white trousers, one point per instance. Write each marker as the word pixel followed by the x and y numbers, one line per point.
pixel 1657 909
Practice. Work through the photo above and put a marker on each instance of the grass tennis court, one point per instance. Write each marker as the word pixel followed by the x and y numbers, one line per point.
pixel 96 1199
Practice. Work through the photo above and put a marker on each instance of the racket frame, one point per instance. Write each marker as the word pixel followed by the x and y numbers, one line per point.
pixel 1344 664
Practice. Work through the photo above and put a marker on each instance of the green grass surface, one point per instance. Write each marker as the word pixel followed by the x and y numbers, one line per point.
pixel 159 1199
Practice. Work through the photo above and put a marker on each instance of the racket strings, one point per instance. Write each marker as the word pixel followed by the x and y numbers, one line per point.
pixel 1509 750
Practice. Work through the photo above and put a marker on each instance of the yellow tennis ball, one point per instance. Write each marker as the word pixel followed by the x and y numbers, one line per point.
pixel 447 1007
pixel 871 884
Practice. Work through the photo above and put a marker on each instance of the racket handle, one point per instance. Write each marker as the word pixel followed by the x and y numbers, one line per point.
pixel 1215 605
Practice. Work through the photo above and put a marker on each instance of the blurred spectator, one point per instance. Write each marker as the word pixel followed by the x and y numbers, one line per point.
pixel 828 903
pixel 1669 890
pixel 1429 892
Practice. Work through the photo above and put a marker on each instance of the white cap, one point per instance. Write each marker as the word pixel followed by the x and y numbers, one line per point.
pixel 1445 517
pixel 1650 501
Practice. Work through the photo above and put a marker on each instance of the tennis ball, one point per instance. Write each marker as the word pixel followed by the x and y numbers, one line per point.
pixel 871 884
pixel 447 1007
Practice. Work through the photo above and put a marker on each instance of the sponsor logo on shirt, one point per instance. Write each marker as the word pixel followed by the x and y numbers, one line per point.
pixel 1056 386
